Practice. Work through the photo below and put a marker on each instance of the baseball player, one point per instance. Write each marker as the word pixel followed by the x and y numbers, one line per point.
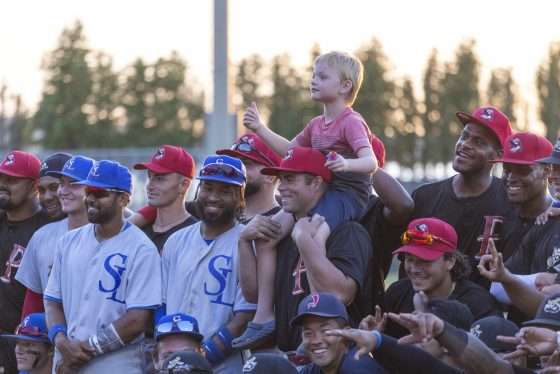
pixel 200 262
pixel 48 184
pixel 22 216
pixel 34 351
pixel 37 261
pixel 105 282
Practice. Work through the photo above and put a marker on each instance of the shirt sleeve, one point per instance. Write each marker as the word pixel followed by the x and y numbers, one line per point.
pixel 28 272
pixel 303 139
pixel 53 292
pixel 356 133
pixel 144 280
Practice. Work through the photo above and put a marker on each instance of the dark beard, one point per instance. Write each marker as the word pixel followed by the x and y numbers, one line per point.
pixel 226 217
pixel 251 189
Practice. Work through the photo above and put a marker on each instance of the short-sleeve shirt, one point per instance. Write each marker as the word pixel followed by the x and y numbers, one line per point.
pixel 399 299
pixel 159 238
pixel 348 249
pixel 539 250
pixel 201 279
pixel 38 259
pixel 345 135
pixel 98 282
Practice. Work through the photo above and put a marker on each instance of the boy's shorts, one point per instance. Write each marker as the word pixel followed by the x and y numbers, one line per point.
pixel 338 207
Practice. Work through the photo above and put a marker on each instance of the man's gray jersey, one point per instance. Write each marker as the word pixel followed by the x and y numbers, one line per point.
pixel 201 279
pixel 38 258
pixel 98 282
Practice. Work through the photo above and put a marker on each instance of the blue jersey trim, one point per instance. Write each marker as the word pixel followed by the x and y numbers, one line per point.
pixel 50 298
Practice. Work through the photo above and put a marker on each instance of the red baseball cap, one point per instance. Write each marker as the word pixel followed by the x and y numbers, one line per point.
pixel 428 238
pixel 302 160
pixel 251 146
pixel 21 164
pixel 525 148
pixel 170 159
pixel 491 118
pixel 378 150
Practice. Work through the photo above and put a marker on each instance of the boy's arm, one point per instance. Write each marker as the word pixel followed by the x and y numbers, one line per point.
pixel 252 120
pixel 365 163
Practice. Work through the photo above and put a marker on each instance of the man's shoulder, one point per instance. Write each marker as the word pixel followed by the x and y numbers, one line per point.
pixel 349 229
pixel 53 228
pixel 466 287
pixel 399 287
pixel 432 187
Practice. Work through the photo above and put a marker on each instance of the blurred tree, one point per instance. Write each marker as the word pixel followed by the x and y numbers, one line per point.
pixel 501 93
pixel 250 75
pixel 134 89
pixel 431 111
pixel 18 125
pixel 60 121
pixel 408 125
pixel 459 93
pixel 548 87
pixel 376 101
pixel 3 124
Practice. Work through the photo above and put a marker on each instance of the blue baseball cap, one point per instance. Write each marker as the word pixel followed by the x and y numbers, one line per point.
pixel 224 169
pixel 33 328
pixel 54 162
pixel 320 304
pixel 77 168
pixel 108 174
pixel 178 323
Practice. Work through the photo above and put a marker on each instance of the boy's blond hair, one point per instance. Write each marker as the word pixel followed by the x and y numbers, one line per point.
pixel 349 68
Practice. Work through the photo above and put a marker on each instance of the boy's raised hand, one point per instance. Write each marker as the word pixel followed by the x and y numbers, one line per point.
pixel 252 118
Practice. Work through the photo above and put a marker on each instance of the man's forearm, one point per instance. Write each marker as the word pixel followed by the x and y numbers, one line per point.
pixel 54 313
pixel 132 324
pixel 248 271
pixel 398 203
pixel 523 296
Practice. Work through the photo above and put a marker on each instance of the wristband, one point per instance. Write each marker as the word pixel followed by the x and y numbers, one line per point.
pixel 213 353
pixel 106 340
pixel 55 330
pixel 556 204
pixel 378 339
pixel 226 338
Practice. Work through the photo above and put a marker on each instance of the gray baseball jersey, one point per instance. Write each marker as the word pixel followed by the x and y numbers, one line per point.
pixel 97 282
pixel 37 260
pixel 201 279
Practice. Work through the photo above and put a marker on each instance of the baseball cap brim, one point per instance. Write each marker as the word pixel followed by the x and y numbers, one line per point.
pixel 549 160
pixel 297 320
pixel 420 251
pixel 279 170
pixel 13 174
pixel 153 168
pixel 60 174
pixel 543 322
pixel 198 337
pixel 26 338
pixel 250 155
pixel 221 179
pixel 466 118
pixel 98 185
pixel 512 161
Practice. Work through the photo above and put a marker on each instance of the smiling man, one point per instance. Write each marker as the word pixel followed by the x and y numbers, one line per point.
pixel 434 265
pixel 48 184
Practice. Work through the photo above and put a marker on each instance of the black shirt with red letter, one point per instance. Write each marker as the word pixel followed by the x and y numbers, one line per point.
pixel 348 249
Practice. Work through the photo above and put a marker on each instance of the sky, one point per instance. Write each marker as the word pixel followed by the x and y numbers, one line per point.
pixel 514 34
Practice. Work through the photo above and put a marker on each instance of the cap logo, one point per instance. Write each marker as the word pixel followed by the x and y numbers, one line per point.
pixel 247 139
pixel 552 306
pixel 422 227
pixel 176 363
pixel 250 365
pixel 176 318
pixel 44 166
pixel 160 154
pixel 554 260
pixel 487 114
pixel 25 322
pixel 220 161
pixel 10 159
pixel 476 331
pixel 314 301
pixel 289 154
pixel 95 171
pixel 69 164
pixel 515 145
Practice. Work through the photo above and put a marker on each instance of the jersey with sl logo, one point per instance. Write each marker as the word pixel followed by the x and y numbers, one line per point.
pixel 201 279
pixel 97 282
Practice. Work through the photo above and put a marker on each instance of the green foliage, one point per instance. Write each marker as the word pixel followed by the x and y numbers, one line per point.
pixel 432 120
pixel 501 93
pixel 408 125
pixel 248 81
pixel 548 87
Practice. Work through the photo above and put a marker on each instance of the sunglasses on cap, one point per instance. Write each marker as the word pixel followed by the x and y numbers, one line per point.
pixel 178 326
pixel 422 238
pixel 30 331
pixel 221 169
pixel 246 147
pixel 100 193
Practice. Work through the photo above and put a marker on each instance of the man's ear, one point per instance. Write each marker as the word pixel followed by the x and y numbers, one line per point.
pixel 123 199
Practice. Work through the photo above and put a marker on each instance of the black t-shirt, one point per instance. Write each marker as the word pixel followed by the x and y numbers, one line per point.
pixel 474 218
pixel 349 249
pixel 159 238
pixel 398 299
pixel 349 365
pixel 515 230
pixel 539 250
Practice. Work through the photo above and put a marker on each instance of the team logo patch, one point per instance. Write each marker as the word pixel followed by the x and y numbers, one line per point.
pixel 250 365
pixel 422 227
pixel 177 363
pixel 314 301
pixel 515 145
pixel 552 306
pixel 476 331
pixel 289 154
pixel 554 260
pixel 44 166
pixel 10 159
pixel 160 154
pixel 248 140
pixel 487 114
pixel 95 171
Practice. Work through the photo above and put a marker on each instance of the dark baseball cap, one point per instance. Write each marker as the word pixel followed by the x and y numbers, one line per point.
pixel 525 148
pixel 251 146
pixel 302 160
pixel 33 328
pixel 54 162
pixel 548 314
pixel 486 329
pixel 554 158
pixel 320 304
pixel 453 312
pixel 491 118
pixel 77 168
pixel 178 324
pixel 268 363
pixel 170 159
pixel 186 362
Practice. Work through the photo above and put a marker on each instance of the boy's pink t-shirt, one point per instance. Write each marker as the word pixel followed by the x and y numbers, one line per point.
pixel 346 135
